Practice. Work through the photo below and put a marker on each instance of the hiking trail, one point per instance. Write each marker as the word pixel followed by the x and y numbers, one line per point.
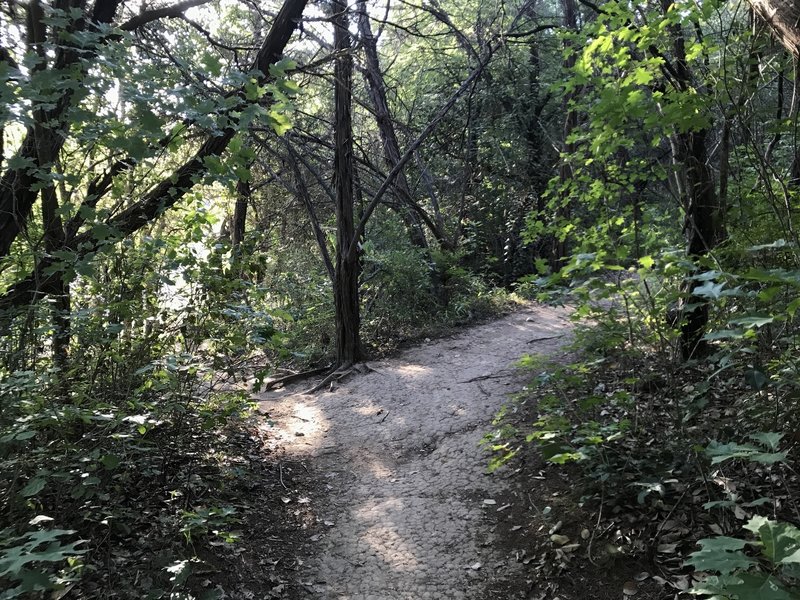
pixel 402 498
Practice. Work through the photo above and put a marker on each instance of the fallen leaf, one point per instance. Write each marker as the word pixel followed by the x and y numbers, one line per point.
pixel 559 539
pixel 630 588
pixel 489 502
pixel 475 566
pixel 570 547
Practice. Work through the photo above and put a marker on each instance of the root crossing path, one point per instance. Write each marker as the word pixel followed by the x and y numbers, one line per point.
pixel 402 500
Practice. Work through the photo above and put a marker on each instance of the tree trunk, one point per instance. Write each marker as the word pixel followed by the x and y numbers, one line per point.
pixel 701 206
pixel 391 148
pixel 302 192
pixel 700 203
pixel 345 287
pixel 783 17
pixel 243 195
pixel 18 190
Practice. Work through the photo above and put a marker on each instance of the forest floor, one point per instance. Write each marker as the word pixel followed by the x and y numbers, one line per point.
pixel 383 490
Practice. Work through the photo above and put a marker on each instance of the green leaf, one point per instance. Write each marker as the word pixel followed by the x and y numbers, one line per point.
pixel 769 439
pixel 212 64
pixel 110 461
pixel 722 452
pixel 715 586
pixel 13 559
pixel 34 486
pixel 179 572
pixel 722 554
pixel 709 290
pixel 781 243
pixel 752 321
pixel 793 558
pixel 761 587
pixel 781 540
pixel 768 458
pixel 149 121
pixel 724 334
pixel 647 262
pixel 756 379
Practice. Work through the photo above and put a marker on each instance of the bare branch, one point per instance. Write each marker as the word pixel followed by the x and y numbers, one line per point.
pixel 167 12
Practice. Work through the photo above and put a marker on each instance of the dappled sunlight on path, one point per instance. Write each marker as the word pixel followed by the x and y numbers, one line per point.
pixel 403 485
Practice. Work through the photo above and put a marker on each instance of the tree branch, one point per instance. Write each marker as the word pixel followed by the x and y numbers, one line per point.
pixel 167 12
pixel 409 153
pixel 45 279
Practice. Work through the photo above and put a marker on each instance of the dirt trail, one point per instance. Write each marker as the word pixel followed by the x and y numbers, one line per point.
pixel 401 479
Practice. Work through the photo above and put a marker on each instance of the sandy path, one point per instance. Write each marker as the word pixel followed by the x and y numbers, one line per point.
pixel 401 478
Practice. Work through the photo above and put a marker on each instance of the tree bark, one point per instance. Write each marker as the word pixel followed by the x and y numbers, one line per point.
pixel 700 204
pixel 302 192
pixel 391 148
pixel 783 17
pixel 345 287
pixel 243 195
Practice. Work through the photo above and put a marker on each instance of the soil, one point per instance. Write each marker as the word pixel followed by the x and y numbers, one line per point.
pixel 380 488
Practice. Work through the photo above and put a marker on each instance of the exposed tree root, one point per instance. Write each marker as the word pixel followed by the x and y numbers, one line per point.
pixel 337 375
pixel 273 383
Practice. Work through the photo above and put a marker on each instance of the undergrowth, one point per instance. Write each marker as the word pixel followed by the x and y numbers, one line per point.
pixel 671 453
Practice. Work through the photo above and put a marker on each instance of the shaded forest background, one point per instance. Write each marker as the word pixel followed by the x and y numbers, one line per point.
pixel 199 194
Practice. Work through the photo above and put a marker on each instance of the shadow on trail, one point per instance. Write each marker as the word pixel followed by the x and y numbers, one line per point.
pixel 403 493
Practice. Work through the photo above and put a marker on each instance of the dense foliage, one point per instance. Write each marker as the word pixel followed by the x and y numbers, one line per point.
pixel 202 194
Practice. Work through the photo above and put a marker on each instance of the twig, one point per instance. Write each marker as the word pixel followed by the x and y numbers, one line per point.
pixel 669 514
pixel 384 417
pixel 541 339
pixel 482 377
pixel 533 505
pixel 280 473
pixel 596 525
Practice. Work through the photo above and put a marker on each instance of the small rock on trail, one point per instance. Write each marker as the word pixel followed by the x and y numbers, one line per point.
pixel 401 480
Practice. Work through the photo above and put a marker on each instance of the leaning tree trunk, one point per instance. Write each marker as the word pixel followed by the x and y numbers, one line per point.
pixel 391 148
pixel 44 278
pixel 345 286
pixel 783 17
